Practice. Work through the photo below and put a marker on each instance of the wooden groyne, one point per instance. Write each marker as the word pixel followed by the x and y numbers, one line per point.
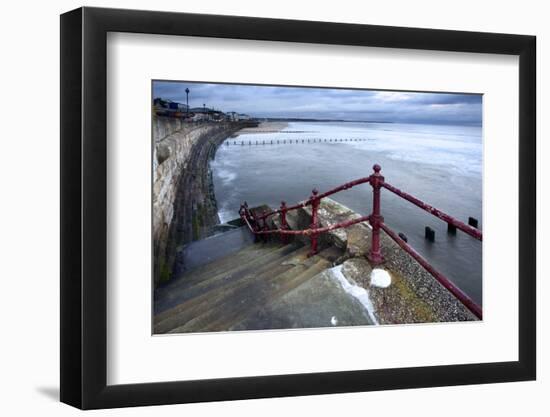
pixel 298 141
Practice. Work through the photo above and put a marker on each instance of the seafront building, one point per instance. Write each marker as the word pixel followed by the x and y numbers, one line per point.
pixel 169 108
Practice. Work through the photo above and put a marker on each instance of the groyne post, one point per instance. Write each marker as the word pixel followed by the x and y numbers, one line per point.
pixel 376 181
pixel 429 234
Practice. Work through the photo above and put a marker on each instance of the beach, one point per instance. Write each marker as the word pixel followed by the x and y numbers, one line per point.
pixel 264 127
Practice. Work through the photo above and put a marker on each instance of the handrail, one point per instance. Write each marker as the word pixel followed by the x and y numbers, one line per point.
pixel 376 221
pixel 345 186
pixel 472 231
pixel 273 212
pixel 457 292
pixel 308 202
pixel 307 232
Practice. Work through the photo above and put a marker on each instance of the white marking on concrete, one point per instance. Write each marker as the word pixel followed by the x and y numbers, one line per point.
pixel 380 278
pixel 354 290
pixel 334 321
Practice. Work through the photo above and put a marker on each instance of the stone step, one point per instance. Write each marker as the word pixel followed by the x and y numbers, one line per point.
pixel 228 240
pixel 225 264
pixel 264 253
pixel 219 262
pixel 291 220
pixel 255 292
pixel 208 299
pixel 233 271
pixel 321 301
pixel 225 314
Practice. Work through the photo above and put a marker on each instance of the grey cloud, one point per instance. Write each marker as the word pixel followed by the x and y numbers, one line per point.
pixel 273 101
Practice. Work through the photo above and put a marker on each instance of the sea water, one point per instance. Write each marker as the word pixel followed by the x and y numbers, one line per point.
pixel 439 164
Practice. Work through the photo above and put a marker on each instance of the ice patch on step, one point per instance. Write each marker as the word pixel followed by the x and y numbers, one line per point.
pixel 380 278
pixel 360 293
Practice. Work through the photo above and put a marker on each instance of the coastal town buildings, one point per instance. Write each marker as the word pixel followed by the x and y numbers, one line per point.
pixel 169 108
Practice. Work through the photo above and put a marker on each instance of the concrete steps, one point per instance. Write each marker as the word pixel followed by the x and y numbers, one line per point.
pixel 228 240
pixel 264 293
pixel 223 269
pixel 230 269
pixel 220 295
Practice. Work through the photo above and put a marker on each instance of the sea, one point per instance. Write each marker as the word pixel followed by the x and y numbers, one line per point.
pixel 440 164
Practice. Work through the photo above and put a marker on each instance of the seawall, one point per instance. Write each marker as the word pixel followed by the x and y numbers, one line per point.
pixel 184 205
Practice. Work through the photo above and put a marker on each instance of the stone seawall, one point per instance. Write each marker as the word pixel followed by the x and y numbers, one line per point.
pixel 184 205
pixel 165 126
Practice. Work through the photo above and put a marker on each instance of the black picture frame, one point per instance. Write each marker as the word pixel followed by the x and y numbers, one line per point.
pixel 84 207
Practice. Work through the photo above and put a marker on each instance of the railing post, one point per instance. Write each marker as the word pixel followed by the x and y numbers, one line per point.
pixel 264 225
pixel 314 221
pixel 248 216
pixel 252 220
pixel 284 224
pixel 375 255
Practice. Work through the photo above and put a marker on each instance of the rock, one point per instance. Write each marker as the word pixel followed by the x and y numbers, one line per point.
pixel 358 240
pixel 358 270
pixel 163 153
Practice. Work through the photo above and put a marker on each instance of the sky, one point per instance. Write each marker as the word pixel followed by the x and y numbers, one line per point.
pixel 327 103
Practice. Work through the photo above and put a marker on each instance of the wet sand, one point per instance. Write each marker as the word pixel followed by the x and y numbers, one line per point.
pixel 264 127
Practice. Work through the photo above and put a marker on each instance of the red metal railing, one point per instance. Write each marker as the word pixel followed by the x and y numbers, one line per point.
pixel 258 225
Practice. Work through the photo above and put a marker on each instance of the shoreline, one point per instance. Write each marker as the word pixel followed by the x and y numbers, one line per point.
pixel 263 127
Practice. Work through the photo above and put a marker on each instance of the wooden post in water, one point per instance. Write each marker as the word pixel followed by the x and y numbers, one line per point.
pixel 429 234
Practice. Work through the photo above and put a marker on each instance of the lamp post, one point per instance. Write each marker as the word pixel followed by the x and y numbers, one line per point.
pixel 187 101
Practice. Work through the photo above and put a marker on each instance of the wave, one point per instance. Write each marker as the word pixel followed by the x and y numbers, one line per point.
pixel 226 176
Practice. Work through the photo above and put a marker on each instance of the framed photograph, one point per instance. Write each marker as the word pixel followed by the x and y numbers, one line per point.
pixel 256 208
